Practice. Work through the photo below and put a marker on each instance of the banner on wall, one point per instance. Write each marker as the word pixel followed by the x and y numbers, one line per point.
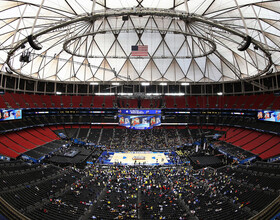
pixel 10 114
pixel 139 122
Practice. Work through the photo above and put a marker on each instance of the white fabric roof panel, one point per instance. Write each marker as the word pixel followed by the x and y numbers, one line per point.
pixel 100 50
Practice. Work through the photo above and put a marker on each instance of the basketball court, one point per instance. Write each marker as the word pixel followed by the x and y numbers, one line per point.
pixel 136 158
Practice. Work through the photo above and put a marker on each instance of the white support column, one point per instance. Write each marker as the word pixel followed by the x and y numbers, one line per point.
pixel 93 6
pixel 243 20
pixel 187 6
pixel 37 16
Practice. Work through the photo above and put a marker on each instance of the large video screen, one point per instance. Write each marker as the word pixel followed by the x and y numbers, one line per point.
pixel 268 115
pixel 139 122
pixel 10 114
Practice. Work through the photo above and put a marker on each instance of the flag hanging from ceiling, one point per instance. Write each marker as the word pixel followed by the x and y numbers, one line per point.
pixel 140 50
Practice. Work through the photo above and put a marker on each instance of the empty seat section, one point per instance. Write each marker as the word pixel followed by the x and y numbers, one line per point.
pixel 47 100
pixel 256 142
pixel 276 103
pixel 123 103
pixel 49 133
pixel 169 101
pixel 98 101
pixel 259 99
pixel 229 133
pixel 274 151
pixel 231 100
pixel 37 100
pixel 66 101
pixel 243 134
pixel 29 100
pixel 242 142
pixel 56 127
pixel 10 144
pixel 109 101
pixel 31 138
pixel 145 103
pixel 39 134
pixel 268 101
pixel 76 101
pixel 212 102
pixel 133 103
pixel 87 101
pixel 234 133
pixel 9 98
pixel 193 127
pixel 249 101
pixel 201 101
pixel 267 145
pixel 222 101
pixel 155 103
pixel 2 102
pixel 19 99
pixel 191 100
pixel 241 101
pixel 218 128
pixel 7 151
pixel 180 101
pixel 56 100
pixel 21 141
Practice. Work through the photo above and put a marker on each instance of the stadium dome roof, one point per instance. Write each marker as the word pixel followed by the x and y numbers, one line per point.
pixel 187 41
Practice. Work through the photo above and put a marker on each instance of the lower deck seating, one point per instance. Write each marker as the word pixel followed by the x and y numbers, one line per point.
pixel 264 145
pixel 13 144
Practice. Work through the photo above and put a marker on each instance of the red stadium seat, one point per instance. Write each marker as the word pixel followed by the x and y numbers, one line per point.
pixel 201 101
pixel 10 99
pixel 76 101
pixel 47 100
pixel 19 100
pixel 2 102
pixel 212 102
pixel 191 101
pixel 66 101
pixel 109 101
pixel 37 100
pixel 28 99
pixel 8 151
pixel 98 101
pixel 180 101
pixel 169 101
pixel 87 101
pixel 241 101
pixel 56 100
pixel 267 102
pixel 231 100
pixel 146 103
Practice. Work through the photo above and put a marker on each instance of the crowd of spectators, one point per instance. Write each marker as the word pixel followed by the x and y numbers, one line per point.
pixel 153 139
pixel 176 191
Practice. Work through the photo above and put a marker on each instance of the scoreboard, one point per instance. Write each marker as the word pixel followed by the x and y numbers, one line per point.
pixel 139 119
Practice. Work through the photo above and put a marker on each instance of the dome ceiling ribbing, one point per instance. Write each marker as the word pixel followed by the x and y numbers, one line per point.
pixel 192 41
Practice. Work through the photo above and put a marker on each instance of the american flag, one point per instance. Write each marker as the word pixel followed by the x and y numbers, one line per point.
pixel 141 50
